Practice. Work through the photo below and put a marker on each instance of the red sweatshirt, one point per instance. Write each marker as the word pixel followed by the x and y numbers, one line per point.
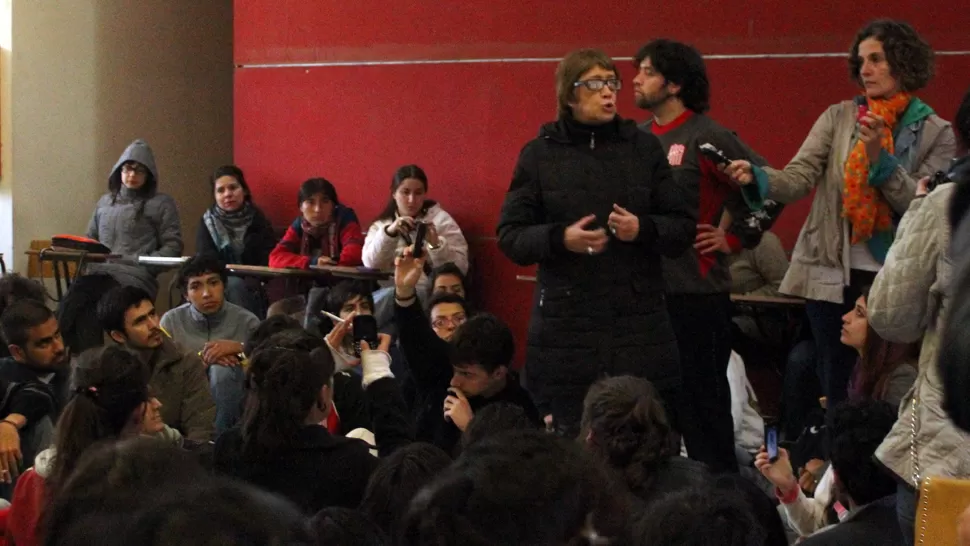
pixel 350 243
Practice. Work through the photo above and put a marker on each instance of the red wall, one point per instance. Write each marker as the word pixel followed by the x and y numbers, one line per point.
pixel 464 123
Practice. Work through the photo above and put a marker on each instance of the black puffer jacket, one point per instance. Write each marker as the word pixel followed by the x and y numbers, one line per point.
pixel 604 314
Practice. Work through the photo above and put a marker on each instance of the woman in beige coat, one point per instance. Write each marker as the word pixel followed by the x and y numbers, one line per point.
pixel 863 157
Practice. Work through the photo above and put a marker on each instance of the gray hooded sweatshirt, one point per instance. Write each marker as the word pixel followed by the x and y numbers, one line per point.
pixel 137 222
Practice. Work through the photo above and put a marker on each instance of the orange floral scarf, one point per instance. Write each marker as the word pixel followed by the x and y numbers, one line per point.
pixel 864 206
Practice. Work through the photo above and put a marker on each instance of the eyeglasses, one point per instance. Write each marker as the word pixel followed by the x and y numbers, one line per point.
pixel 596 85
pixel 128 169
pixel 455 321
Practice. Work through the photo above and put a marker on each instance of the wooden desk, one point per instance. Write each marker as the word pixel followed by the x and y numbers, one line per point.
pixel 760 308
pixel 61 260
pixel 360 273
pixel 262 271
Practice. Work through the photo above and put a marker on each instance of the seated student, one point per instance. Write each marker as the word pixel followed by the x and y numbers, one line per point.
pixel 625 425
pixel 759 272
pixel 885 371
pixel 348 412
pixel 448 279
pixel 346 300
pixel 394 229
pixel 458 365
pixel 215 329
pixel 40 365
pixel 236 231
pixel 13 287
pixel 111 401
pixel 397 480
pixel 290 392
pixel 807 515
pixel 863 487
pixel 158 496
pixel 134 220
pixel 326 233
pixel 519 487
pixel 178 378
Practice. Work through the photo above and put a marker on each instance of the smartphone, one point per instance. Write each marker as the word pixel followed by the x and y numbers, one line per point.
pixel 419 233
pixel 771 441
pixel 714 154
pixel 862 108
pixel 365 329
pixel 938 178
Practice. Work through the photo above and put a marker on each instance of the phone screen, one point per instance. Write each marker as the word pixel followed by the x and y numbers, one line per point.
pixel 420 232
pixel 365 329
pixel 771 442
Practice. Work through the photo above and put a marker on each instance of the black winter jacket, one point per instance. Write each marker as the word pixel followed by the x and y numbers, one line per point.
pixel 260 239
pixel 603 314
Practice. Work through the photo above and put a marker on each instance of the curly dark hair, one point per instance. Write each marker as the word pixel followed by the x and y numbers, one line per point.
pixel 683 65
pixel 909 56
pixel 627 426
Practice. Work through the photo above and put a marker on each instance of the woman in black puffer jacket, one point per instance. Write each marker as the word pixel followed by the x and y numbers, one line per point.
pixel 599 307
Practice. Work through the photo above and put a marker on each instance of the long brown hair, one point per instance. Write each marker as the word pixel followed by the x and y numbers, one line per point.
pixel 877 362
pixel 111 384
pixel 284 378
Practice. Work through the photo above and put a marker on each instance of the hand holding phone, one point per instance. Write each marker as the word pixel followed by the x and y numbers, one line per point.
pixel 365 329
pixel 421 231
pixel 771 442
pixel 862 108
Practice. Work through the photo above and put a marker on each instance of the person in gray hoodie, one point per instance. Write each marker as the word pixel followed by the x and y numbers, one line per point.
pixel 133 219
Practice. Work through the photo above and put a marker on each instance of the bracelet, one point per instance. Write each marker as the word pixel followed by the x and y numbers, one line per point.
pixel 791 497
pixel 405 300
pixel 11 423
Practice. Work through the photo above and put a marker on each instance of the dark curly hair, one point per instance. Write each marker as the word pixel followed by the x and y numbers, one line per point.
pixel 909 56
pixel 682 65
pixel 627 427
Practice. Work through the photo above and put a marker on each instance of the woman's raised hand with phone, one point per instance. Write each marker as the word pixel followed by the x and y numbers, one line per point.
pixel 779 473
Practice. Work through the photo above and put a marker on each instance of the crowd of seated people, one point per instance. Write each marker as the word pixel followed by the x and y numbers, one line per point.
pixel 253 413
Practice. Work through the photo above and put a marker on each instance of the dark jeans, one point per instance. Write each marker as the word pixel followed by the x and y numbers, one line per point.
pixel 801 389
pixel 702 324
pixel 835 359
pixel 906 513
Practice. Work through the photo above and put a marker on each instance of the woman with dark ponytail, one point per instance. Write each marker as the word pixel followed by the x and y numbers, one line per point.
pixel 625 425
pixel 112 401
pixel 281 445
